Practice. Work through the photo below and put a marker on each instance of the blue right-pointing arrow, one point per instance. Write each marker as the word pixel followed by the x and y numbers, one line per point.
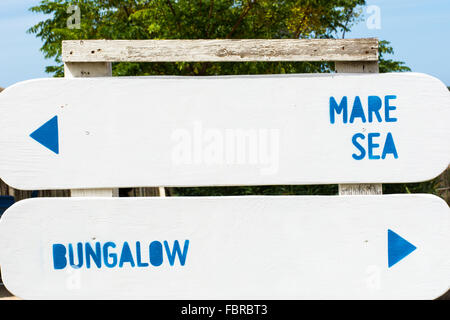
pixel 47 135
pixel 398 248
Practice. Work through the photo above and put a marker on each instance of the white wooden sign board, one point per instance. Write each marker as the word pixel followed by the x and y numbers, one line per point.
pixel 236 130
pixel 347 247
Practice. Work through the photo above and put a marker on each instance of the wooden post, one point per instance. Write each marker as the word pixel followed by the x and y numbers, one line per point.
pixel 90 69
pixel 359 67
pixel 94 69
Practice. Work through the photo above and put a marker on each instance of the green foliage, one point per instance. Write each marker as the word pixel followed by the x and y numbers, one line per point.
pixel 219 19
pixel 424 187
pixel 257 190
pixel 183 19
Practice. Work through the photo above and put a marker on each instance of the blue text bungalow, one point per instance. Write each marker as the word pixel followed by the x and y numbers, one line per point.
pixel 376 110
pixel 111 255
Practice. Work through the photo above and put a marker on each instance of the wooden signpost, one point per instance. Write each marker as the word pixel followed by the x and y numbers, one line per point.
pixel 94 135
pixel 243 130
pixel 280 247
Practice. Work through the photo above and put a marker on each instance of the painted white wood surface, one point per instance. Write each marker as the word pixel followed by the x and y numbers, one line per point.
pixel 359 67
pixel 181 131
pixel 239 247
pixel 87 70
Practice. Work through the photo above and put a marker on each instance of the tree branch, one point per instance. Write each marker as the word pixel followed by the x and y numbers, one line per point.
pixel 297 31
pixel 208 27
pixel 241 17
pixel 174 14
pixel 347 20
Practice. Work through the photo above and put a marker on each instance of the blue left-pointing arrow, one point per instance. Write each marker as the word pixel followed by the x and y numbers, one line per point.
pixel 47 135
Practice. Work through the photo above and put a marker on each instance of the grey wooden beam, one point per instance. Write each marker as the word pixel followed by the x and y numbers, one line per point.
pixel 220 50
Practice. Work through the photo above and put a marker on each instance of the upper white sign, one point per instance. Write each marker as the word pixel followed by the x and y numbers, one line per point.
pixel 229 130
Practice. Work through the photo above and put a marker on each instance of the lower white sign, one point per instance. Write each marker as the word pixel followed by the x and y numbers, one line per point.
pixel 276 247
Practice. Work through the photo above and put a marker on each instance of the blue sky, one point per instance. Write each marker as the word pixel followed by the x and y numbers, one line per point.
pixel 418 31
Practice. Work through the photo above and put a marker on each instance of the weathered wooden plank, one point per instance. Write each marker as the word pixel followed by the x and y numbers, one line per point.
pixel 294 247
pixel 87 69
pixel 220 50
pixel 106 192
pixel 357 67
pixel 360 189
pixel 209 131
